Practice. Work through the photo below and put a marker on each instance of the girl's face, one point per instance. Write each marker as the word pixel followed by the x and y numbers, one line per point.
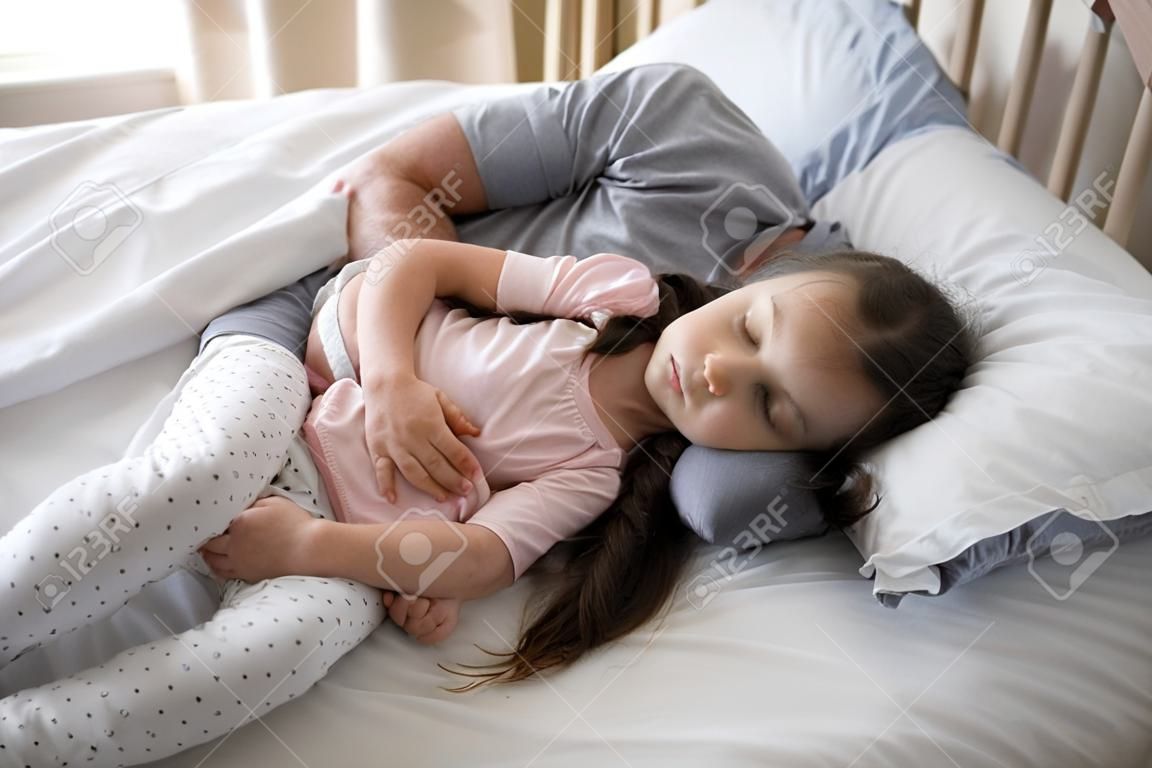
pixel 770 366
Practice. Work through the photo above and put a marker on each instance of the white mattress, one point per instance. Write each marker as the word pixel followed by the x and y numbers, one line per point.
pixel 792 663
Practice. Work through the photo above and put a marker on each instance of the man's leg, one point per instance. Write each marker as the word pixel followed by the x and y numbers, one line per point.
pixel 283 316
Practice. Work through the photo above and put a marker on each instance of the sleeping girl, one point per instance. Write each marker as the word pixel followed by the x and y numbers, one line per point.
pixel 575 384
pixel 582 419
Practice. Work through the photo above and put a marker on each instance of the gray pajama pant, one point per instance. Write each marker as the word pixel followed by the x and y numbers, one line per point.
pixel 96 541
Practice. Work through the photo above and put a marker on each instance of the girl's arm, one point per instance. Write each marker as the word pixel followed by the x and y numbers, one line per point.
pixel 430 558
pixel 406 420
pixel 398 291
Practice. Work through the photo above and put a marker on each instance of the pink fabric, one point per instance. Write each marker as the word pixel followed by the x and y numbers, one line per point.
pixel 334 431
pixel 550 465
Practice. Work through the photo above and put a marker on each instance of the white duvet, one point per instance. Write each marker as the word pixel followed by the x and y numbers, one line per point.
pixel 791 663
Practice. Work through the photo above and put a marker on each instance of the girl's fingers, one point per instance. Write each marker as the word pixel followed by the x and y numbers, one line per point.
pixel 399 611
pixel 458 460
pixel 463 423
pixel 440 632
pixel 424 633
pixel 454 415
pixel 405 612
pixel 427 482
pixel 421 627
pixel 386 478
pixel 419 608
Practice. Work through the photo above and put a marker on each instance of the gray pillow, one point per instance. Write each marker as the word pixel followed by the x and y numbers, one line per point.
pixel 742 497
pixel 1087 543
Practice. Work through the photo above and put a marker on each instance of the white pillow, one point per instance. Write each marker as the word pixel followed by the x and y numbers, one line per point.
pixel 1057 413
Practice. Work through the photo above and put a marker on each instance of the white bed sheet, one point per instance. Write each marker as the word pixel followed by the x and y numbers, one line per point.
pixel 791 663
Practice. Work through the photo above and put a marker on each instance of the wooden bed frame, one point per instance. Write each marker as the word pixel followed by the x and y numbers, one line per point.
pixel 579 38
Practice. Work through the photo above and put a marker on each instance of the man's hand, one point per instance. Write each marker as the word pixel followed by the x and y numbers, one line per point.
pixel 428 619
pixel 410 186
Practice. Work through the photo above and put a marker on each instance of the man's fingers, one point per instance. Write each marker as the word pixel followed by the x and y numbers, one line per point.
pixel 219 565
pixel 218 545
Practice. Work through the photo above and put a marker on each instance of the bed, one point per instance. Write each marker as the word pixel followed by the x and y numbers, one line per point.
pixel 792 662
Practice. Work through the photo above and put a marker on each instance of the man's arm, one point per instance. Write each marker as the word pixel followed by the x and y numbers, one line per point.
pixel 459 560
pixel 409 186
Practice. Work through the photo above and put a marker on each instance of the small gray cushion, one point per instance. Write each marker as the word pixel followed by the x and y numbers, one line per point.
pixel 720 494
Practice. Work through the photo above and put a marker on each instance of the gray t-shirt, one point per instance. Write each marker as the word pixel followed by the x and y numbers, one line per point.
pixel 652 162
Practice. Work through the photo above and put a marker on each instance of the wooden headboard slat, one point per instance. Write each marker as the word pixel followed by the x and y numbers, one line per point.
pixel 1024 81
pixel 965 45
pixel 561 40
pixel 597 22
pixel 1078 112
pixel 1133 169
pixel 912 13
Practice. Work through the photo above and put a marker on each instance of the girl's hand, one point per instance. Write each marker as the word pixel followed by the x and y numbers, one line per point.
pixel 412 425
pixel 267 540
pixel 428 619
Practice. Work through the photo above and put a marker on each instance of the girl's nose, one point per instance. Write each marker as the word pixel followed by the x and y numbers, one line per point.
pixel 714 376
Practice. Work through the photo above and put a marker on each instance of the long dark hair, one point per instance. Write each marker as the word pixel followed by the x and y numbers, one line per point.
pixel 621 569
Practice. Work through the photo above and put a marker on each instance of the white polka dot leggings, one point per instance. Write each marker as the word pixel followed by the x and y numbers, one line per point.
pixel 97 540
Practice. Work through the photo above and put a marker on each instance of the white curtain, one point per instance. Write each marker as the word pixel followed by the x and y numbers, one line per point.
pixel 261 48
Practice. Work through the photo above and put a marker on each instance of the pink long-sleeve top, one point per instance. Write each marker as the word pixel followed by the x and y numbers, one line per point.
pixel 550 464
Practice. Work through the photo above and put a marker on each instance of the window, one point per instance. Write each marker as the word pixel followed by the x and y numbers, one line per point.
pixel 53 38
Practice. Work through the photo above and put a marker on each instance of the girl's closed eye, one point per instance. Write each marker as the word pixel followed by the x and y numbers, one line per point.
pixel 767 405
